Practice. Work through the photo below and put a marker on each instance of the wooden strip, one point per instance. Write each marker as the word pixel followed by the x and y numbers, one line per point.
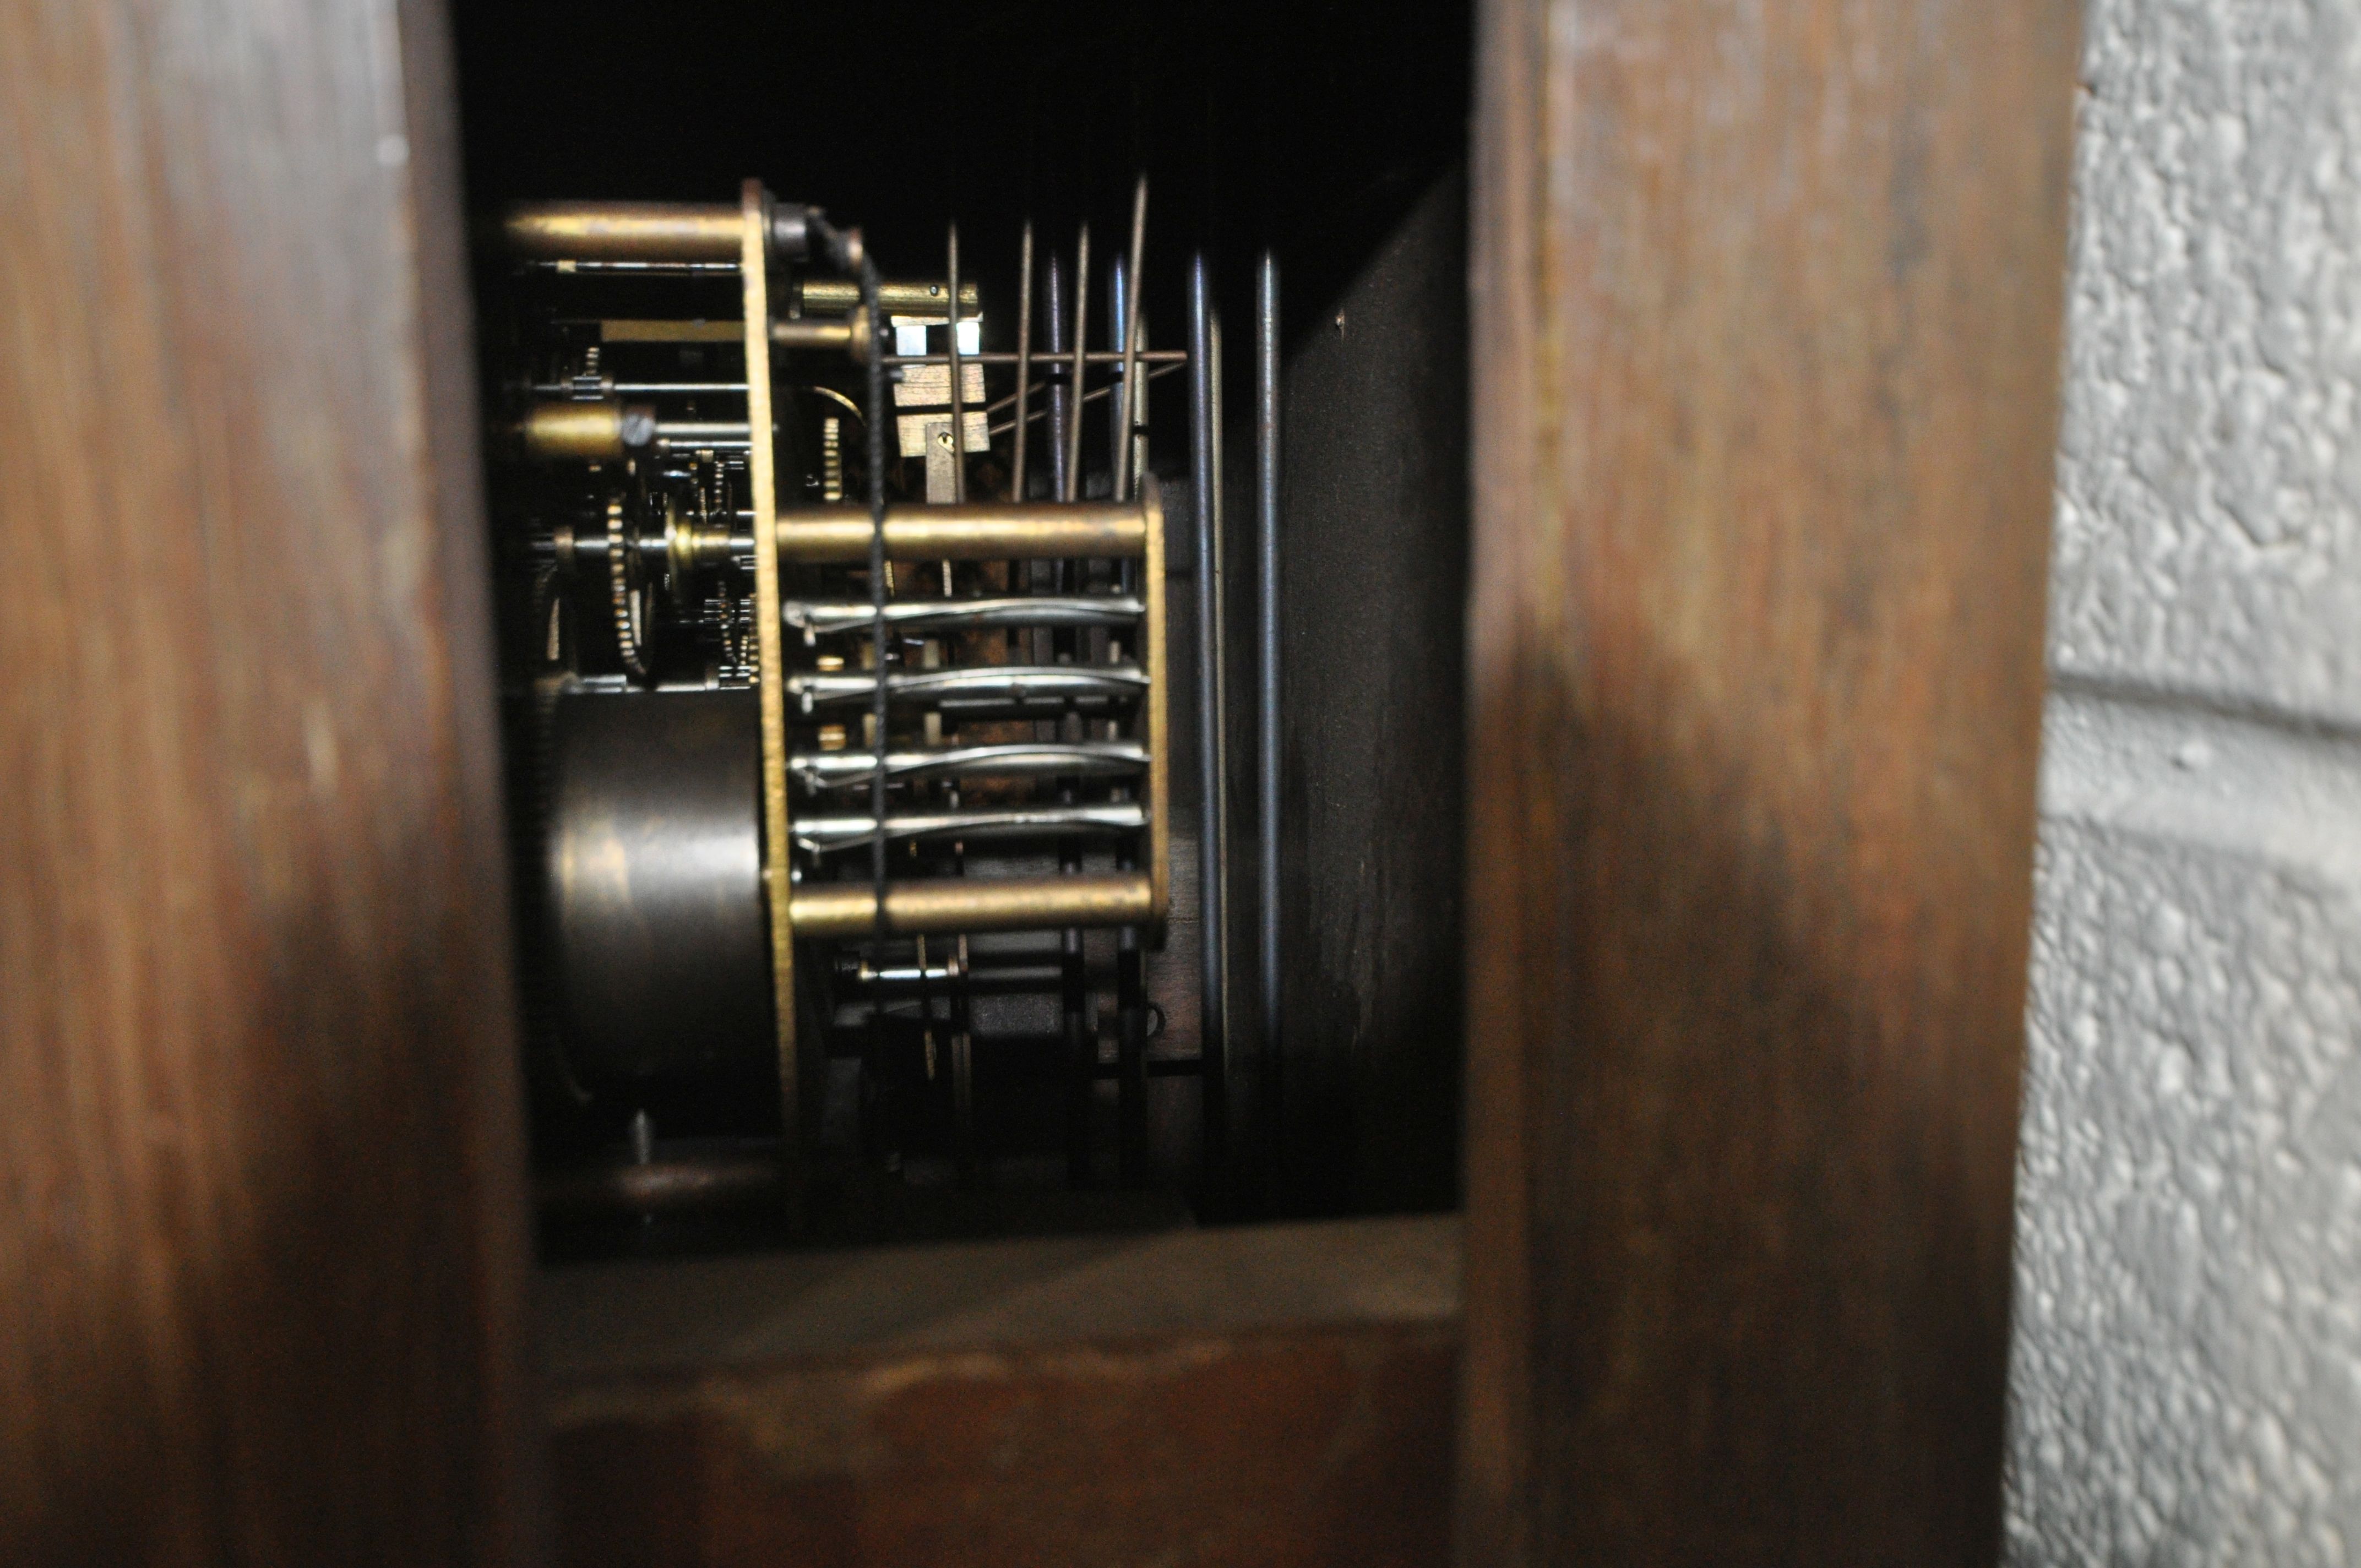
pixel 1767 328
pixel 1279 1396
pixel 778 850
pixel 1298 1448
pixel 263 1246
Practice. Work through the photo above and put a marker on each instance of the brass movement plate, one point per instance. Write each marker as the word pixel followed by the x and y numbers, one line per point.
pixel 753 269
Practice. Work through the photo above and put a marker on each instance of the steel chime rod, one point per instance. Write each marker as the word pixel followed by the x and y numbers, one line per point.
pixel 1019 610
pixel 1126 417
pixel 1212 830
pixel 1000 683
pixel 1003 759
pixel 820 833
pixel 1117 299
pixel 1159 367
pixel 1073 476
pixel 1266 759
pixel 1065 403
pixel 1131 992
pixel 1059 397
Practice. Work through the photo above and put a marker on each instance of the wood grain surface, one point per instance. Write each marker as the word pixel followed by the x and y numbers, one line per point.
pixel 1277 1395
pixel 262 1252
pixel 1767 307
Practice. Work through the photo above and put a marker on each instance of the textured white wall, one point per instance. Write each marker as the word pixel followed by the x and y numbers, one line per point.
pixel 2186 1385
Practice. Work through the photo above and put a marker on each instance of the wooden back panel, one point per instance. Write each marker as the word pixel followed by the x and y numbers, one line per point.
pixel 1767 331
pixel 262 1249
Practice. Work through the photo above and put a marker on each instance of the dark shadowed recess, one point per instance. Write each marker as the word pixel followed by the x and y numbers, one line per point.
pixel 1310 126
pixel 1334 134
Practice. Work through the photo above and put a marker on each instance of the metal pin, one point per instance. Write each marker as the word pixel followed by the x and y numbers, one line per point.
pixel 1061 401
pixel 1117 297
pixel 1128 420
pixel 959 395
pixel 1141 381
pixel 1082 336
pixel 1157 367
pixel 1024 358
pixel 959 399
